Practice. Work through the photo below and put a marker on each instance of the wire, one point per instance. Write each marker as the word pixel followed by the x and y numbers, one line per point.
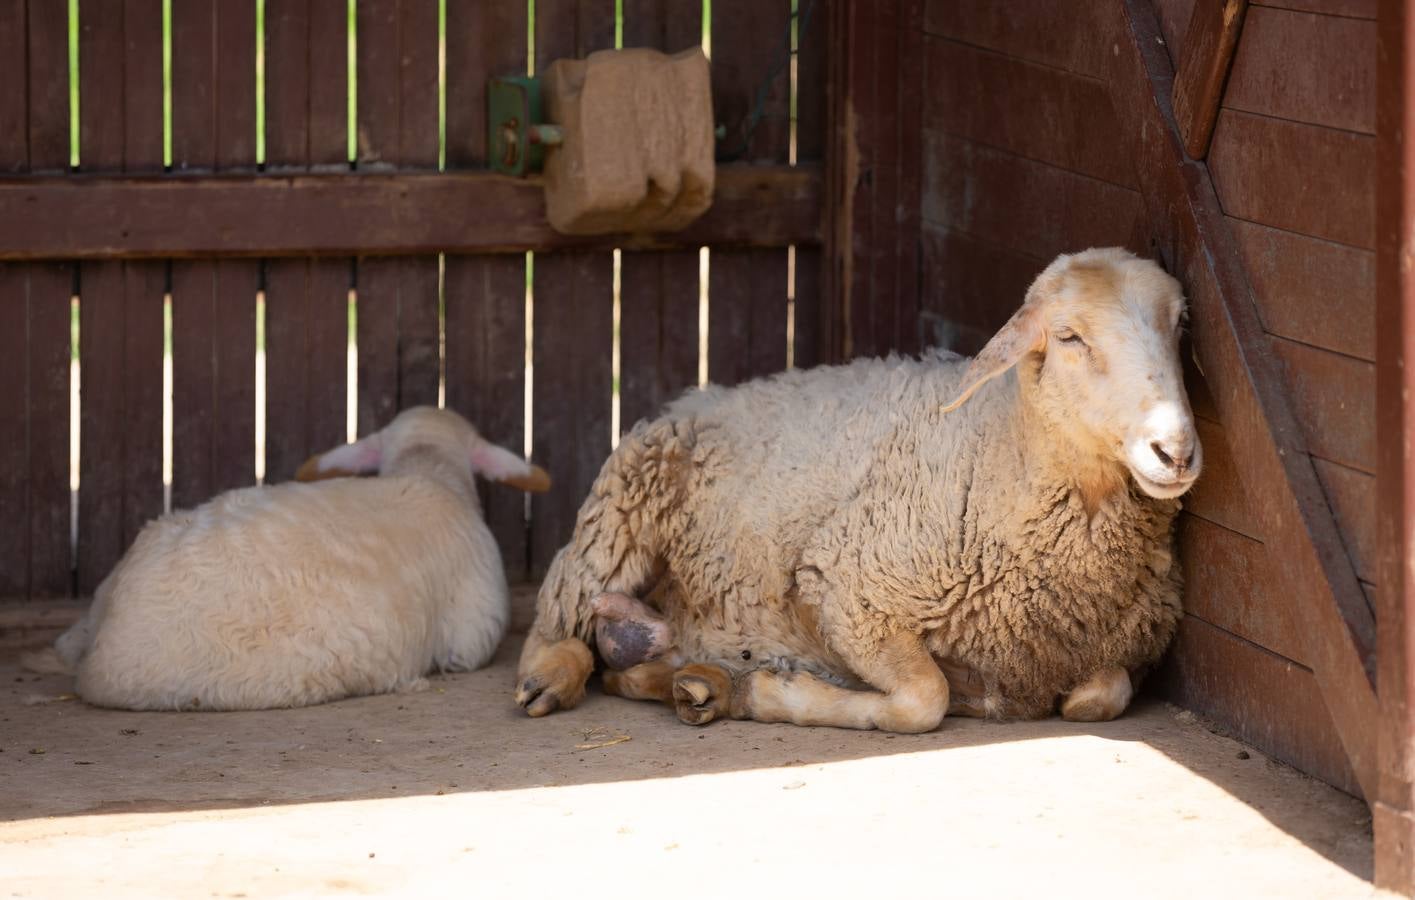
pixel 758 111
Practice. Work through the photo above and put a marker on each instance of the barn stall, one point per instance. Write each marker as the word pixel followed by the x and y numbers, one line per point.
pixel 234 234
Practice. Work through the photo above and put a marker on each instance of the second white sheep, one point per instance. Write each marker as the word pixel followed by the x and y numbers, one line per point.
pixel 298 594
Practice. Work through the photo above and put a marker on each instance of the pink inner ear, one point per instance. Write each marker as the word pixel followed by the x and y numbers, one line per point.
pixel 497 463
pixel 364 456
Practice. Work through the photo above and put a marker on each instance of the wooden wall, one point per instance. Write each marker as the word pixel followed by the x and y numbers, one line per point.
pixel 1023 160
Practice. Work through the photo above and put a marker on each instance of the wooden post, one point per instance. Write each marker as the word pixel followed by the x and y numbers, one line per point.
pixel 1393 807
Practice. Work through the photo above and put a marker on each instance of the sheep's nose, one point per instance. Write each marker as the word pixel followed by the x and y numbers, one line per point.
pixel 1175 454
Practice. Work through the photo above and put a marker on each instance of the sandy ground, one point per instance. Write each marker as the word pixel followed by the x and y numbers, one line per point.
pixel 452 792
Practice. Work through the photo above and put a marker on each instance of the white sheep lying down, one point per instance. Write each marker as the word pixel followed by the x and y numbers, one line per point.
pixel 877 544
pixel 296 594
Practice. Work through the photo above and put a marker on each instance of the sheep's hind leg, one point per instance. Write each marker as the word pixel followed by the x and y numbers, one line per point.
pixel 646 681
pixel 912 693
pixel 1099 698
pixel 552 674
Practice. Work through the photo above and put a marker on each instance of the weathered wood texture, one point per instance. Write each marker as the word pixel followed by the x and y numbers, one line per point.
pixel 213 303
pixel 573 325
pixel 390 214
pixel 306 300
pixel 872 276
pixel 34 348
pixel 484 297
pixel 1393 809
pixel 120 454
pixel 1209 43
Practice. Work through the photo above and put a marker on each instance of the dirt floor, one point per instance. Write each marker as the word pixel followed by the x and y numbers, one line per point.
pixel 454 792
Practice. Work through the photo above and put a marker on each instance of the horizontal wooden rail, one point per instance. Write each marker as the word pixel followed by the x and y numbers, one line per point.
pixel 103 217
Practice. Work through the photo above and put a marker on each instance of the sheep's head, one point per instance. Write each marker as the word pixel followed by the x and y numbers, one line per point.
pixel 424 426
pixel 1097 341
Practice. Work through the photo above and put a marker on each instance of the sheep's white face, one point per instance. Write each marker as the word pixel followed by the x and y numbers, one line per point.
pixel 1111 367
pixel 1099 333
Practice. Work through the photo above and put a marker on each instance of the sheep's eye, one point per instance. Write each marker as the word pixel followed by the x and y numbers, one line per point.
pixel 1070 337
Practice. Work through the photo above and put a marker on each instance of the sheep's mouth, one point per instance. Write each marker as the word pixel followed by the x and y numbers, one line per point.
pixel 1163 490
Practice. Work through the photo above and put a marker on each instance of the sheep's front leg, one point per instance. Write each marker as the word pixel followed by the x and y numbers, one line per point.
pixel 1099 698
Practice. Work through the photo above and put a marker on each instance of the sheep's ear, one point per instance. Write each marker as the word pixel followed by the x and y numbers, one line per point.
pixel 363 457
pixel 499 464
pixel 1022 334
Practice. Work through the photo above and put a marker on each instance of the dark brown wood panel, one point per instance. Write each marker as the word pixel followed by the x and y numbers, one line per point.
pixel 747 289
pixel 970 287
pixel 1310 290
pixel 485 296
pixel 398 329
pixel 1356 9
pixel 1262 698
pixel 120 129
pixel 667 25
pixel 14 106
pixel 34 489
pixel 48 115
pixel 1027 109
pixel 1209 45
pixel 1076 37
pixel 1335 400
pixel 306 301
pixel 1309 68
pixel 1352 495
pixel 101 218
pixel 121 411
pixel 1226 583
pixel 1297 177
pixel 306 362
pixel 213 303
pixel 746 315
pixel 376 340
pixel 1174 22
pixel 15 452
pixel 573 295
pixel 486 378
pixel 1021 204
pixel 1220 495
pixel 573 334
pixel 811 62
pixel 658 324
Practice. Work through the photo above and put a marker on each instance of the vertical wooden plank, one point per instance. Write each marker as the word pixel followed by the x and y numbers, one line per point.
pixel 14 107
pixel 48 55
pixel 397 127
pixel 34 489
pixel 658 292
pixel 306 301
pixel 811 76
pixel 658 331
pixel 747 288
pixel 1209 44
pixel 573 324
pixel 485 296
pixel 120 129
pixel 213 304
pixel 573 332
pixel 15 416
pixel 1393 810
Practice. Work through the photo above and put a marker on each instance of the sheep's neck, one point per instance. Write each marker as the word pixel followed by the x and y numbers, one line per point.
pixel 432 463
pixel 1055 456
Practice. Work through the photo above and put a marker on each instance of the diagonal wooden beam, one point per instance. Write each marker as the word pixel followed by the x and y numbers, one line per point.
pixel 1209 45
pixel 1192 235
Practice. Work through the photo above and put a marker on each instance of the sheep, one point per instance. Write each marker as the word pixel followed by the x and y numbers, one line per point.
pixel 881 543
pixel 296 594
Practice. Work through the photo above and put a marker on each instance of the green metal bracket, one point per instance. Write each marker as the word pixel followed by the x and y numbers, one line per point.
pixel 516 134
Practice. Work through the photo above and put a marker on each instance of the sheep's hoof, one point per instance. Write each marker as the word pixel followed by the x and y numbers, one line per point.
pixel 555 679
pixel 701 693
